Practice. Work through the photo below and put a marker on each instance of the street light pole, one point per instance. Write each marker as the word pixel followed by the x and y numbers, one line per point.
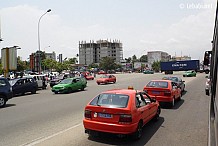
pixel 49 10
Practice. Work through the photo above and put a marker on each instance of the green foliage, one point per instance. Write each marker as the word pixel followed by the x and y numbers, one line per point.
pixel 156 66
pixel 21 65
pixel 144 58
pixel 107 63
pixel 93 65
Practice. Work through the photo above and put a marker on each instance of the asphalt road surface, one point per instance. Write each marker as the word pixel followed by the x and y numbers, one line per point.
pixel 47 119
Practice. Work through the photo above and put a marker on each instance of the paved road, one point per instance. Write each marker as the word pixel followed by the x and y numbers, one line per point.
pixel 47 119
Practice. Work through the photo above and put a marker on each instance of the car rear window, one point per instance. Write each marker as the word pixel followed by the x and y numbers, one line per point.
pixel 111 100
pixel 158 84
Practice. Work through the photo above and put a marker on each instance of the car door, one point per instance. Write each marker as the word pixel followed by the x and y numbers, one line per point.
pixel 74 84
pixel 151 105
pixel 175 89
pixel 143 109
pixel 18 87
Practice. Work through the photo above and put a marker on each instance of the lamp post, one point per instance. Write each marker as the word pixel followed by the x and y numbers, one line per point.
pixel 49 10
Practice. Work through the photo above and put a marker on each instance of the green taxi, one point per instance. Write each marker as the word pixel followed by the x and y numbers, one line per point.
pixel 190 73
pixel 148 71
pixel 69 85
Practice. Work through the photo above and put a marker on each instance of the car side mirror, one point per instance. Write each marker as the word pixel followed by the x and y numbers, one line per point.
pixel 175 87
pixel 153 100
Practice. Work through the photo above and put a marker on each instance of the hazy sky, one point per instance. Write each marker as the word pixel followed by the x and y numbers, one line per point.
pixel 179 27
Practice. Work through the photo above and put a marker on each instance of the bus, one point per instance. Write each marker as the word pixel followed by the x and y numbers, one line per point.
pixel 211 59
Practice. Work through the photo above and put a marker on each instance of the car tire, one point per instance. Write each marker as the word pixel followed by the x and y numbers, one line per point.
pixel 56 92
pixel 180 96
pixel 138 133
pixel 2 102
pixel 82 88
pixel 98 83
pixel 114 82
pixel 33 91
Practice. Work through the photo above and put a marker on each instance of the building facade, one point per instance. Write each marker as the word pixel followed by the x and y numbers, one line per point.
pixel 157 56
pixel 37 57
pixel 92 52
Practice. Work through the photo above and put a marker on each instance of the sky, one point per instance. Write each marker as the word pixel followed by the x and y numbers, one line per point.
pixel 180 28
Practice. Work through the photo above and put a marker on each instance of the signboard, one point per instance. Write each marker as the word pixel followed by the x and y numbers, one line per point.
pixel 137 65
pixel 9 57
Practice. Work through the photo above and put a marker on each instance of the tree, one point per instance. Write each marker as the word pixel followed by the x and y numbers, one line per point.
pixel 72 60
pixel 107 63
pixel 128 60
pixel 49 63
pixel 156 66
pixel 21 65
pixel 144 58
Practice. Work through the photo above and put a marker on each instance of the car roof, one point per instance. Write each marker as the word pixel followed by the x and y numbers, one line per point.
pixel 160 81
pixel 121 91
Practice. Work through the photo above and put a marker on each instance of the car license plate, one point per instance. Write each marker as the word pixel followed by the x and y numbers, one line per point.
pixel 103 115
pixel 155 92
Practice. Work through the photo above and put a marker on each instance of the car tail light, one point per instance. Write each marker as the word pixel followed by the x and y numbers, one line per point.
pixel 125 119
pixel 167 93
pixel 87 114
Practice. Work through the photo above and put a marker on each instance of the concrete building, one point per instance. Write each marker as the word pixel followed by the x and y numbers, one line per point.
pixel 178 58
pixel 157 56
pixel 34 59
pixel 92 52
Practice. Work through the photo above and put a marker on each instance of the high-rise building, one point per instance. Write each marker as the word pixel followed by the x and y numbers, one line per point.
pixel 92 52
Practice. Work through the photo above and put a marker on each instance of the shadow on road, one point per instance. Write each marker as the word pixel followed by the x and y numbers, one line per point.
pixel 148 131
pixel 176 106
pixel 9 105
pixel 184 92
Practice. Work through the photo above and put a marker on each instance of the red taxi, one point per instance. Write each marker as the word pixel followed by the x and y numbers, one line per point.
pixel 105 79
pixel 163 91
pixel 120 112
pixel 89 77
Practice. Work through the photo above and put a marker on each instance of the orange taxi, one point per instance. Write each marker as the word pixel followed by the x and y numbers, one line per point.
pixel 163 91
pixel 120 112
pixel 105 79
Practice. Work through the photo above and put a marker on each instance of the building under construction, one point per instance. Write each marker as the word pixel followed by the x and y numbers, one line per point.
pixel 92 52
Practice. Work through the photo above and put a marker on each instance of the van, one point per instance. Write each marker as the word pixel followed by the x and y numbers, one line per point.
pixel 41 81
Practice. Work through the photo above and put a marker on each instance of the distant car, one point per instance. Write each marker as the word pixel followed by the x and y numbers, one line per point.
pixel 5 91
pixel 190 73
pixel 101 72
pixel 163 91
pixel 41 81
pixel 89 77
pixel 178 80
pixel 59 78
pixel 69 85
pixel 121 112
pixel 148 71
pixel 23 85
pixel 105 79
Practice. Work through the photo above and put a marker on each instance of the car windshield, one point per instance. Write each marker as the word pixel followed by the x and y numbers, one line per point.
pixel 12 82
pixel 111 100
pixel 66 81
pixel 104 76
pixel 159 84
pixel 171 78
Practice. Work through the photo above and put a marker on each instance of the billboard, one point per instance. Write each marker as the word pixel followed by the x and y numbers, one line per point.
pixel 9 58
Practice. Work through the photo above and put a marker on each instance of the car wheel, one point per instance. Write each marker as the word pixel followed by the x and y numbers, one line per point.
pixel 156 117
pixel 179 98
pixel 82 88
pixel 138 133
pixel 114 82
pixel 2 102
pixel 56 92
pixel 98 83
pixel 33 91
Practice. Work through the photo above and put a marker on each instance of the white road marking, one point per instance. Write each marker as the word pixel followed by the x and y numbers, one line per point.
pixel 41 139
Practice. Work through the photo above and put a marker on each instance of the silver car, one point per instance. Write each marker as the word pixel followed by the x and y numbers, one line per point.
pixel 207 86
